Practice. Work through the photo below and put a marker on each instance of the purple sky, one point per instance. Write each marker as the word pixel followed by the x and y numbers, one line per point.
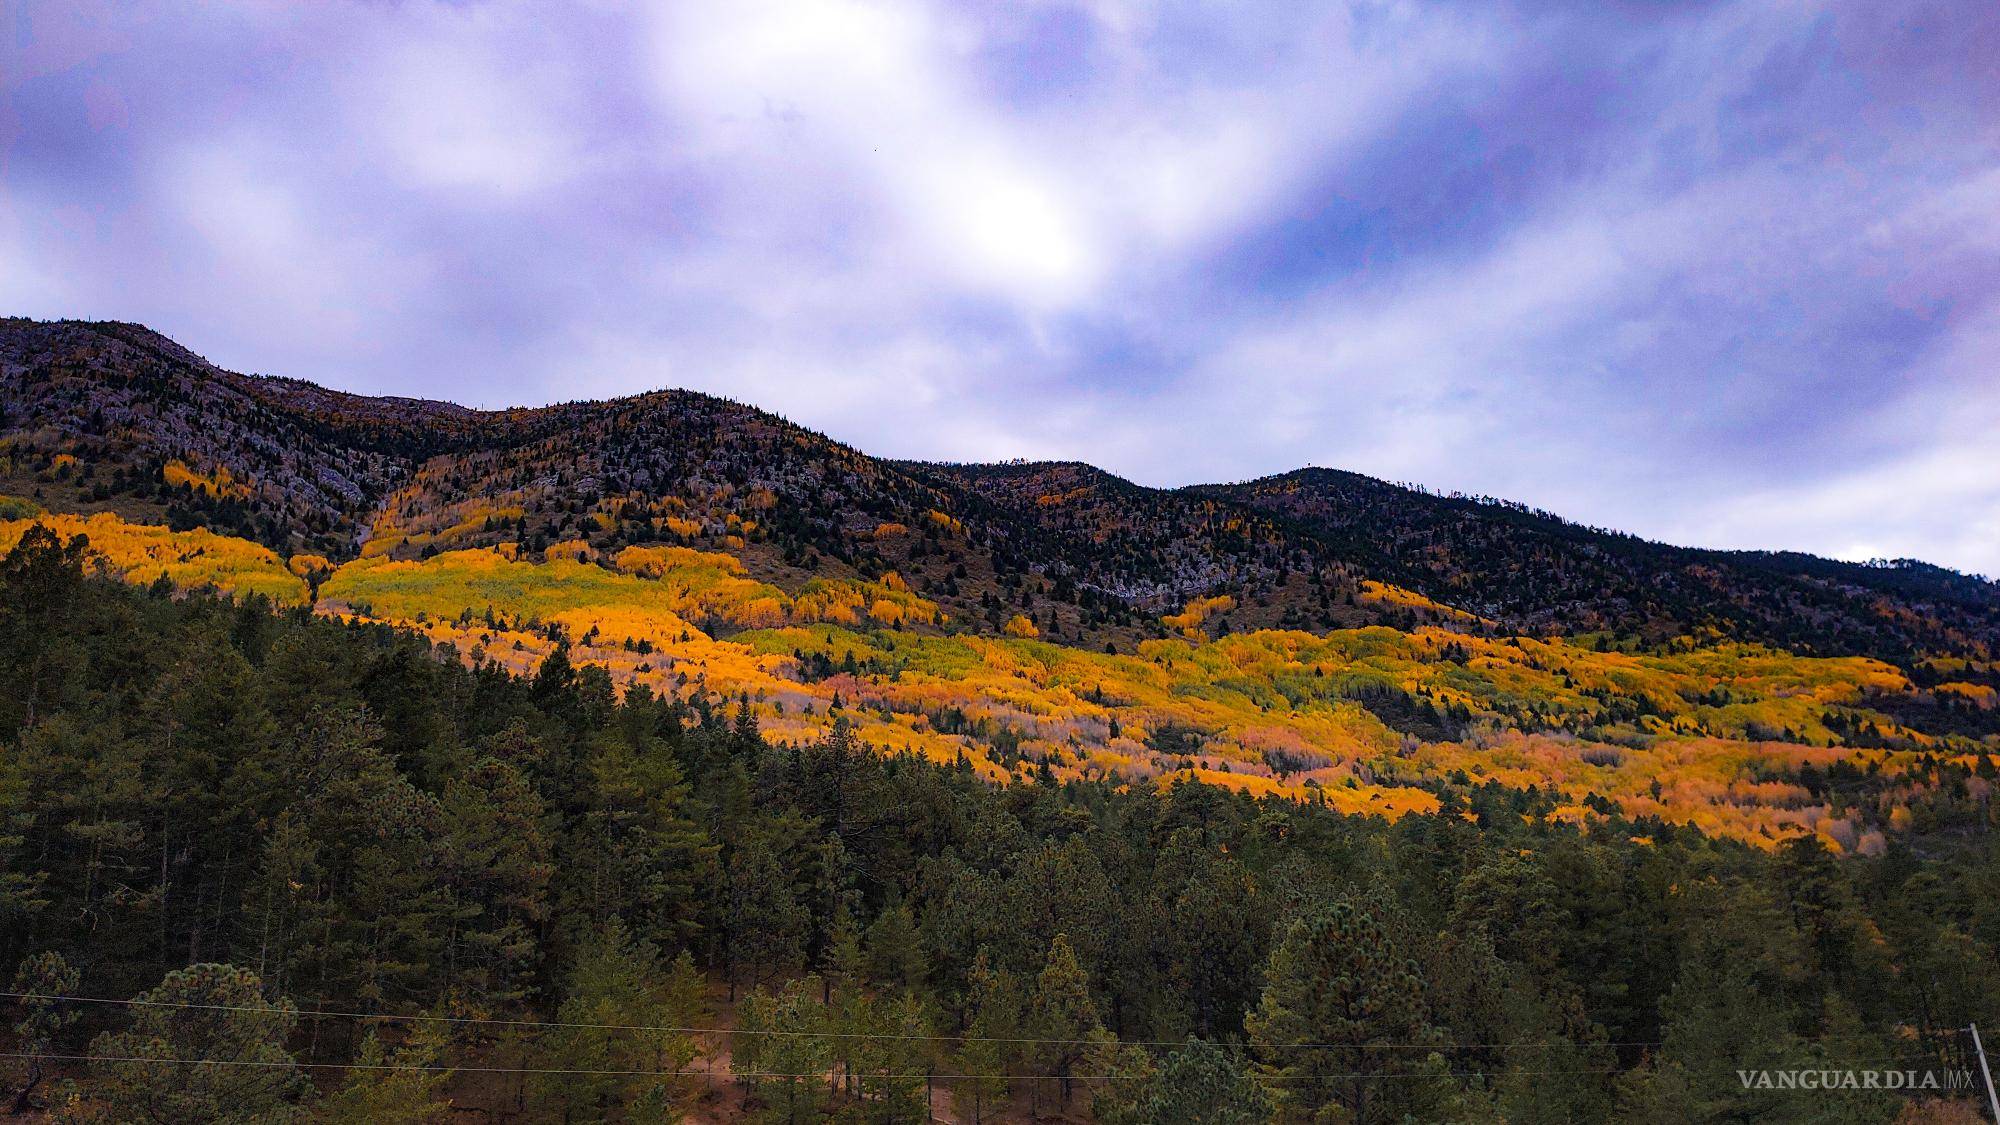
pixel 1719 273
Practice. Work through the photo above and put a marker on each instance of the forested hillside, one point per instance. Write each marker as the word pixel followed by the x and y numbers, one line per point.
pixel 299 846
pixel 1316 636
pixel 657 757
pixel 1541 572
pixel 113 416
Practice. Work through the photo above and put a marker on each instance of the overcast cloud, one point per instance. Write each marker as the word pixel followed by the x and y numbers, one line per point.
pixel 1720 273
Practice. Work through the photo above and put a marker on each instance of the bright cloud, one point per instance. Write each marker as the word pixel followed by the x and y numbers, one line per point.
pixel 1722 272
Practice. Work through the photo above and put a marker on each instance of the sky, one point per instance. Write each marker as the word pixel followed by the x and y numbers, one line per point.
pixel 1719 273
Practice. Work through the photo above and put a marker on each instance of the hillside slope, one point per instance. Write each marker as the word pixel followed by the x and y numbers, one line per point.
pixel 1034 621
pixel 116 417
pixel 1541 572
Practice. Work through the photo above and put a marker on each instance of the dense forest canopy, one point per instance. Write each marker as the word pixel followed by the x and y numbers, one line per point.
pixel 386 760
pixel 298 842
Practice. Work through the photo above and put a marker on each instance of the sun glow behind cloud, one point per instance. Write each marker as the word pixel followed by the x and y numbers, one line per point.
pixel 1725 272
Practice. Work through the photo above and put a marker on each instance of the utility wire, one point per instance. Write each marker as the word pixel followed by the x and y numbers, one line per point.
pixel 684 1030
pixel 678 1030
pixel 683 1073
pixel 439 1068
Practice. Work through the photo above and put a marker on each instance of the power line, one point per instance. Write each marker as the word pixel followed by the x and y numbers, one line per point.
pixel 323 1013
pixel 439 1068
pixel 689 1030
pixel 684 1073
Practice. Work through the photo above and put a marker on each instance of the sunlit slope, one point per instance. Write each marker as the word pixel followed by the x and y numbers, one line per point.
pixel 115 417
pixel 1728 737
pixel 143 553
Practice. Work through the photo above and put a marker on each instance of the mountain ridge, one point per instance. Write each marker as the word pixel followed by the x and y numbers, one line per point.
pixel 1316 636
pixel 304 468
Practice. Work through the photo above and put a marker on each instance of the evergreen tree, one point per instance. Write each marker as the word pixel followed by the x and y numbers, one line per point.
pixel 43 981
pixel 763 924
pixel 1214 934
pixel 750 1042
pixel 205 1046
pixel 1061 890
pixel 893 950
pixel 1062 1014
pixel 1340 999
pixel 903 1060
pixel 796 1054
pixel 21 882
pixel 991 1047
pixel 1197 1084
pixel 41 579
pixel 1730 1010
pixel 353 909
pixel 497 865
pixel 637 852
pixel 611 1022
pixel 380 1091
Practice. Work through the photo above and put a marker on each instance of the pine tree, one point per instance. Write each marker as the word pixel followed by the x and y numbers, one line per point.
pixel 346 877
pixel 377 1092
pixel 1062 888
pixel 206 1045
pixel 21 898
pixel 796 1054
pixel 41 580
pixel 894 950
pixel 990 1048
pixel 849 1008
pixel 763 924
pixel 497 872
pixel 1728 1011
pixel 1062 1014
pixel 613 1016
pixel 637 852
pixel 1197 1084
pixel 1337 992
pixel 42 980
pixel 1212 932
pixel 750 1042
pixel 908 1059
pixel 1200 1084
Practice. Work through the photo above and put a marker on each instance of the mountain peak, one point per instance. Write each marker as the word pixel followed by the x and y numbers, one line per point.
pixel 152 427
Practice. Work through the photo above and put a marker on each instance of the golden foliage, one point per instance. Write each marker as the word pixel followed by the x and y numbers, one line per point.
pixel 144 553
pixel 1378 593
pixel 219 485
pixel 392 530
pixel 657 562
pixel 847 601
pixel 1717 735
pixel 1978 695
pixel 1189 620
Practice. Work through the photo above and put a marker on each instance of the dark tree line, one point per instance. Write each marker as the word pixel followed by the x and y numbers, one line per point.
pixel 213 803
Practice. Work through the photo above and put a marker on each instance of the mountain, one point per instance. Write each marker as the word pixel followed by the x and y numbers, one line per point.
pixel 262 844
pixel 143 426
pixel 1539 572
pixel 609 668
pixel 1317 636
